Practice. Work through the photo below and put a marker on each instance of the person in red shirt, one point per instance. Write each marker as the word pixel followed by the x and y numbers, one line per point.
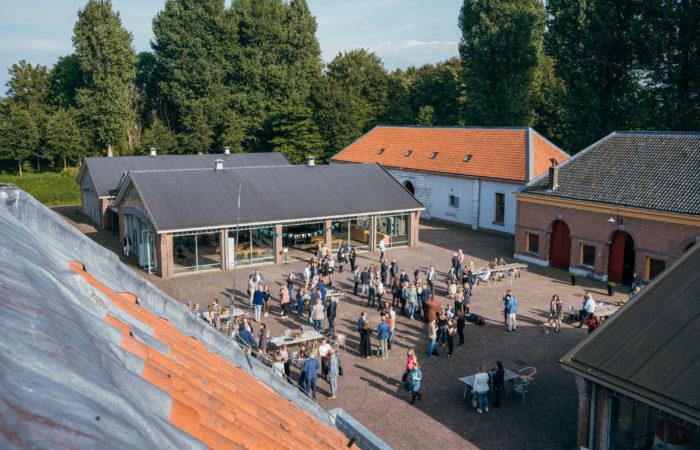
pixel 592 323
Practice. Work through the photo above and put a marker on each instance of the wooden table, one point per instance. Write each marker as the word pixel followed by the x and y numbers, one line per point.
pixel 306 336
pixel 508 377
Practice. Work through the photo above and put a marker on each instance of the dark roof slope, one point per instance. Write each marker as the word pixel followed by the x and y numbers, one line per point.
pixel 107 172
pixel 650 347
pixel 183 199
pixel 656 171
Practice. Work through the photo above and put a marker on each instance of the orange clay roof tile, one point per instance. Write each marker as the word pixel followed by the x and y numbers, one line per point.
pixel 497 153
pixel 213 400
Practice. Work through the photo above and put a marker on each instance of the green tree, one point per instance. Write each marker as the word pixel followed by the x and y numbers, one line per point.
pixel 501 51
pixel 160 137
pixel 63 137
pixel 108 64
pixel 549 109
pixel 426 116
pixel 296 134
pixel 594 52
pixel 439 86
pixel 398 110
pixel 28 85
pixel 65 80
pixel 19 136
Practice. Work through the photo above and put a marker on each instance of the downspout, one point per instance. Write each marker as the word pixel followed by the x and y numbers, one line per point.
pixel 591 418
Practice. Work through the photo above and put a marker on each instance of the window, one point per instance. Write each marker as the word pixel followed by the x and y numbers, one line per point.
pixel 467 158
pixel 454 201
pixel 655 267
pixel 381 150
pixel 500 208
pixel 433 155
pixel 588 255
pixel 408 153
pixel 533 243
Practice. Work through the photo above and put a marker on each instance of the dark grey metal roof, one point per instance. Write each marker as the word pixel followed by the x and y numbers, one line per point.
pixel 190 199
pixel 650 347
pixel 107 172
pixel 657 171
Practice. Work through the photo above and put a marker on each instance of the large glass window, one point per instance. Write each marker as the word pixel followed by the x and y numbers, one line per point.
pixel 499 216
pixel 656 266
pixel 533 243
pixel 196 251
pixel 393 229
pixel 588 255
pixel 254 246
pixel 359 233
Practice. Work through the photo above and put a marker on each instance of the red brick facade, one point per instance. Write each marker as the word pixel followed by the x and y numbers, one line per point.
pixel 659 236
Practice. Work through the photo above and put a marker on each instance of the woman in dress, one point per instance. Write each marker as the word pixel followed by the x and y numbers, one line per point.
pixel 416 376
pixel 451 283
pixel 341 257
pixel 396 291
pixel 459 300
pixel 324 352
pixel 411 360
pixel 451 332
pixel 266 300
pixel 352 257
pixel 481 387
pixel 365 344
pixel 331 268
pixel 559 311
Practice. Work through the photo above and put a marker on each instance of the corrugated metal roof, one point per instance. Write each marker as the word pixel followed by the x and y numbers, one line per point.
pixel 650 346
pixel 94 356
pixel 651 170
pixel 107 172
pixel 186 199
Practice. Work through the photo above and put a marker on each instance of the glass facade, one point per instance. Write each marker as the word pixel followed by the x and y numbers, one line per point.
pixel 393 229
pixel 196 251
pixel 254 246
pixel 359 234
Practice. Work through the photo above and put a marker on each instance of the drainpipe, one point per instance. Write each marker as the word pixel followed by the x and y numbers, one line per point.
pixel 591 419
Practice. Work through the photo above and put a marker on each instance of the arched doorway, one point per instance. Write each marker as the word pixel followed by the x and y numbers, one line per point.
pixel 409 186
pixel 560 246
pixel 621 261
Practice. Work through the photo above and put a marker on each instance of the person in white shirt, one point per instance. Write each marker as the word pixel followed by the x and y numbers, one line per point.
pixel 481 387
pixel 324 352
pixel 307 276
pixel 588 308
pixel 381 247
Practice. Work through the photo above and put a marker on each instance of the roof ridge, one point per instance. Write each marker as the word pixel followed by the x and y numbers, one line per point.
pixel 658 133
pixel 449 127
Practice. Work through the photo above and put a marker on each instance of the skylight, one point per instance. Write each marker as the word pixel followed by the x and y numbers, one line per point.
pixel 433 155
pixel 467 158
pixel 381 150
pixel 408 153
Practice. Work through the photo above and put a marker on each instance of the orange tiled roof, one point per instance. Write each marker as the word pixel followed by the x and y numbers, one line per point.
pixel 212 399
pixel 498 153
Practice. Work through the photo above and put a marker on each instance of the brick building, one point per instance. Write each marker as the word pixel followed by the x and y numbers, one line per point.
pixel 630 203
pixel 461 174
pixel 634 374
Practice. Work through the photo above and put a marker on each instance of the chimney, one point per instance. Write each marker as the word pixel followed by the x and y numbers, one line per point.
pixel 218 164
pixel 310 161
pixel 153 151
pixel 227 150
pixel 553 175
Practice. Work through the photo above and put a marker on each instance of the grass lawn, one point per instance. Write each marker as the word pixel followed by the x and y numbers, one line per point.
pixel 50 188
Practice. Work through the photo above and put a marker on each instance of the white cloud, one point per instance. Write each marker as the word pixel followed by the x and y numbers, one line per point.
pixel 410 52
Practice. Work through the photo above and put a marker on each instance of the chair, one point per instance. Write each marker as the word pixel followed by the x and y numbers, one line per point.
pixel 527 374
pixel 574 314
pixel 510 275
pixel 522 388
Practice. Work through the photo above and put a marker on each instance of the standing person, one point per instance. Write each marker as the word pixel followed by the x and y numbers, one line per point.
pixel 588 308
pixel 278 366
pixel 395 291
pixel 331 312
pixel 451 282
pixel 461 322
pixel 459 300
pixel 412 301
pixel 411 360
pixel 258 303
pixel 416 377
pixel 430 279
pixel 284 353
pixel 404 297
pixel 442 326
pixel 342 255
pixel 455 263
pixel 505 302
pixel 394 268
pixel 257 277
pixel 404 277
pixel 333 372
pixel 266 300
pixel 263 339
pixel 317 315
pixel 310 368
pixel 284 301
pixel 127 244
pixel 245 337
pixel 307 276
pixel 356 279
pixel 558 313
pixel 352 258
pixel 552 309
pixel 390 320
pixel 424 297
pixel 331 268
pixel 361 321
pixel 371 292
pixel 379 292
pixel 432 336
pixel 364 279
pixel 451 331
pixel 383 333
pixel 512 310
pixel 324 353
pixel 251 289
pixel 481 387
pixel 290 285
pixel 460 259
pixel 498 376
pixel 216 313
pixel 365 344
pixel 381 247
pixel 385 272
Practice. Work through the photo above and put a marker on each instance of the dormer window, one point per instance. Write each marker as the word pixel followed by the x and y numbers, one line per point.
pixel 467 158
pixel 381 150
pixel 408 153
pixel 433 155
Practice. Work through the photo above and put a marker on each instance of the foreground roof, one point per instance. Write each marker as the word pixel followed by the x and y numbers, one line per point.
pixel 106 172
pixel 191 199
pixel 94 356
pixel 649 170
pixel 649 349
pixel 512 154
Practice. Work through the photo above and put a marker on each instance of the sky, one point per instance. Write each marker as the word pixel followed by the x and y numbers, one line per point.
pixel 402 33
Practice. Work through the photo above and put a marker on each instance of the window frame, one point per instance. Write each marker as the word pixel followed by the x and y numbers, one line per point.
pixel 528 243
pixel 453 201
pixel 648 271
pixel 502 210
pixel 582 255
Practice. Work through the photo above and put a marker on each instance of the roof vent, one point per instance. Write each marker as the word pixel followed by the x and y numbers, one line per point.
pixel 153 151
pixel 433 155
pixel 310 161
pixel 381 150
pixel 408 153
pixel 227 150
pixel 218 164
pixel 553 175
pixel 467 158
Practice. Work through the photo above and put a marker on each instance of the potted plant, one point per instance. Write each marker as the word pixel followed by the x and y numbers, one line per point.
pixel 574 276
pixel 611 288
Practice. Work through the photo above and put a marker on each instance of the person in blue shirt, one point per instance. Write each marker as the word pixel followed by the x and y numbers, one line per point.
pixel 309 367
pixel 511 311
pixel 322 290
pixel 414 382
pixel 258 302
pixel 383 333
pixel 244 336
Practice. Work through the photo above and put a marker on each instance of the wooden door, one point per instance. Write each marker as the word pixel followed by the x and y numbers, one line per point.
pixel 560 246
pixel 617 257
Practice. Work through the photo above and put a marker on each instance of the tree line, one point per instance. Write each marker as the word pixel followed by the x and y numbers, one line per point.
pixel 250 76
